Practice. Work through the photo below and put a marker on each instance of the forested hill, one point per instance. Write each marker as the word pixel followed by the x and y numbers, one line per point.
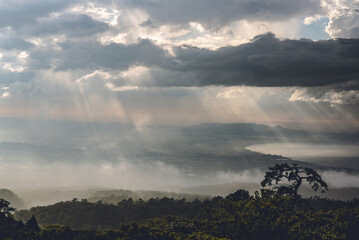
pixel 86 215
pixel 238 216
pixel 12 197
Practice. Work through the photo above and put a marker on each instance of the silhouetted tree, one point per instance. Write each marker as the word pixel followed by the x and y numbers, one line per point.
pixel 295 175
pixel 31 224
pixel 5 208
pixel 238 195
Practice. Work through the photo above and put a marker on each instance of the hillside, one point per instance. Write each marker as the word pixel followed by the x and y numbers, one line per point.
pixel 12 197
pixel 238 216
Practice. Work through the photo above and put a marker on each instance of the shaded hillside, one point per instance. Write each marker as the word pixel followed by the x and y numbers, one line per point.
pixel 251 133
pixel 12 197
pixel 48 196
pixel 85 215
pixel 261 217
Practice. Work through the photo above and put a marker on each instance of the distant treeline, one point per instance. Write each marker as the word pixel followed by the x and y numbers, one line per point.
pixel 115 196
pixel 86 215
pixel 238 216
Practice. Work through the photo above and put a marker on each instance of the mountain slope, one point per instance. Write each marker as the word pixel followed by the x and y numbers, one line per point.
pixel 11 197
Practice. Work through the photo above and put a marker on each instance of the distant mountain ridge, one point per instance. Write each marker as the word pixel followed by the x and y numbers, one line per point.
pixel 260 131
pixel 247 129
pixel 11 197
pixel 243 129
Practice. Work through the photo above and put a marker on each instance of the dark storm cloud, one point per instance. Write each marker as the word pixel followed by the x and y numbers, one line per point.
pixel 69 24
pixel 268 61
pixel 265 61
pixel 214 13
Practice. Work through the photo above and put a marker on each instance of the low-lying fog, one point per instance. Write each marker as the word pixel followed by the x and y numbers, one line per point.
pixel 125 175
pixel 335 155
pixel 139 175
pixel 47 184
pixel 118 156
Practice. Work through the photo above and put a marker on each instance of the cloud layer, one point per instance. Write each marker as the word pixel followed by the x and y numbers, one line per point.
pixel 265 61
pixel 268 61
pixel 217 13
pixel 189 61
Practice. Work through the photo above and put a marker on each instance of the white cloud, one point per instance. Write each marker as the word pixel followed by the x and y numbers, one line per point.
pixel 344 18
pixel 12 68
pixel 114 88
pixel 329 96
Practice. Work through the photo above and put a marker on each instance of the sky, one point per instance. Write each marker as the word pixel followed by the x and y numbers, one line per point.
pixel 291 63
pixel 179 63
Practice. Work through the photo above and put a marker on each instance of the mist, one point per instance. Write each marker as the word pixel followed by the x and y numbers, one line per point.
pixel 123 156
pixel 142 176
pixel 335 155
pixel 38 184
pixel 124 175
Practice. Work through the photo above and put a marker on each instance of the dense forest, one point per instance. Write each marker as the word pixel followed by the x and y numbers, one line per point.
pixel 275 213
pixel 265 215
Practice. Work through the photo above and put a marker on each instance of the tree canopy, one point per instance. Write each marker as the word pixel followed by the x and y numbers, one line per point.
pixel 5 208
pixel 294 175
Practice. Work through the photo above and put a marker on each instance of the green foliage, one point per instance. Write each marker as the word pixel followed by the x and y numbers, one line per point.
pixel 87 215
pixel 5 208
pixel 115 196
pixel 240 194
pixel 32 225
pixel 265 216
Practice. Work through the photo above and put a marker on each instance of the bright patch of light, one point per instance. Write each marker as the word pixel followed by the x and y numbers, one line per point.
pixel 134 72
pixel 12 68
pixel 5 95
pixel 22 57
pixel 107 15
pixel 231 92
pixel 197 26
pixel 332 97
pixel 98 73
pixel 114 88
pixel 311 19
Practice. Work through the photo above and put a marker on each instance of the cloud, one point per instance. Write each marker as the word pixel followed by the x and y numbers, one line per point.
pixel 8 77
pixel 214 13
pixel 12 43
pixel 19 13
pixel 265 61
pixel 93 55
pixel 326 95
pixel 126 173
pixel 338 179
pixel 72 25
pixel 269 61
pixel 344 18
pixel 345 24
